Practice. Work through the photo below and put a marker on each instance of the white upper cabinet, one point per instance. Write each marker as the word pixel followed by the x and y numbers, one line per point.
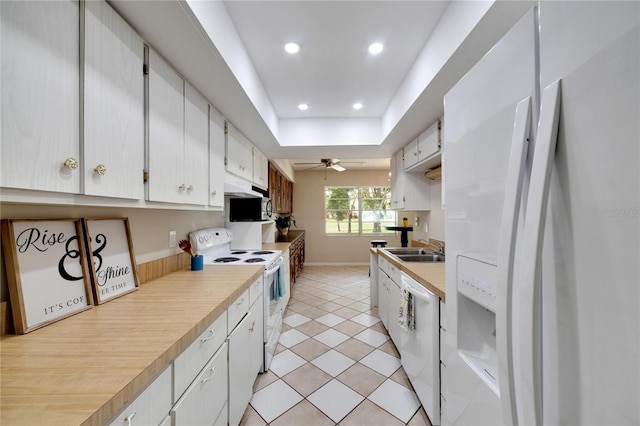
pixel 40 95
pixel 178 146
pixel 196 147
pixel 422 153
pixel 113 105
pixel 260 169
pixel 216 158
pixel 166 127
pixel 397 181
pixel 239 154
pixel 409 191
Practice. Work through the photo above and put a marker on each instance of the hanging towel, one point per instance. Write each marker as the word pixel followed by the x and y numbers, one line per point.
pixel 282 289
pixel 406 314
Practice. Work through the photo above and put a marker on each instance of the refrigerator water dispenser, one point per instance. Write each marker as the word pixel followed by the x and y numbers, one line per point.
pixel 476 283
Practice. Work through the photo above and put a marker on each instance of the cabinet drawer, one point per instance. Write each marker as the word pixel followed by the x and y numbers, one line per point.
pixel 151 406
pixel 205 397
pixel 255 290
pixel 193 359
pixel 237 310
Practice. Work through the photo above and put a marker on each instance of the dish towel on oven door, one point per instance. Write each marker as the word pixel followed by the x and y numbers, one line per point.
pixel 279 289
pixel 406 313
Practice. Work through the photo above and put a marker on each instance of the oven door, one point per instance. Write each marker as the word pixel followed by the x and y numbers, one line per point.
pixel 274 295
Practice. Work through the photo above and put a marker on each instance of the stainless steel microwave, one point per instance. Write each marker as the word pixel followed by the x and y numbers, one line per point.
pixel 250 209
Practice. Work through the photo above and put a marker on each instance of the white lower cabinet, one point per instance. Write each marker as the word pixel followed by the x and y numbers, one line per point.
pixel 151 406
pixel 246 354
pixel 187 365
pixel 240 377
pixel 203 401
pixel 389 298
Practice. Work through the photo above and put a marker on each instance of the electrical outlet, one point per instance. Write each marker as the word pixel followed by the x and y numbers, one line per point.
pixel 172 239
pixel 416 222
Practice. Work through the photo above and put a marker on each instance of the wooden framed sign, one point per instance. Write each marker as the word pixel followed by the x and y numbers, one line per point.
pixel 111 258
pixel 47 271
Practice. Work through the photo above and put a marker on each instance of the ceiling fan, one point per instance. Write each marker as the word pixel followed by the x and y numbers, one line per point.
pixel 329 163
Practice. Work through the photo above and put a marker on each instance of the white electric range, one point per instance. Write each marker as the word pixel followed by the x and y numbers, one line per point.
pixel 214 245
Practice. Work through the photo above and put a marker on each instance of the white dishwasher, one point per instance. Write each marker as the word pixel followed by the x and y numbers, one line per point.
pixel 420 348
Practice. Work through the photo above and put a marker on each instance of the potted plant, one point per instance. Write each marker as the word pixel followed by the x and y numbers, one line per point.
pixel 283 223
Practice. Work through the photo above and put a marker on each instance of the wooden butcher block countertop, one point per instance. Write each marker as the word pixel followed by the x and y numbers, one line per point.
pixel 86 368
pixel 430 274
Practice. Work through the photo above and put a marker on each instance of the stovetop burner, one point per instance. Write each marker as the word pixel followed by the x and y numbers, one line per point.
pixel 261 252
pixel 226 259
pixel 254 260
pixel 238 252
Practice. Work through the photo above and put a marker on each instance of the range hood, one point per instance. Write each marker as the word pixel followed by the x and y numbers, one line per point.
pixel 239 188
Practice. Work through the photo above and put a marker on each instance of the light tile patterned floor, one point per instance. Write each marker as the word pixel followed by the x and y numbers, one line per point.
pixel 335 363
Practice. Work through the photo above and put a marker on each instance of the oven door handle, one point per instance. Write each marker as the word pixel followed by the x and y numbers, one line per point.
pixel 273 270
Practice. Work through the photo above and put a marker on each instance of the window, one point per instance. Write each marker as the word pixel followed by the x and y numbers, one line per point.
pixel 358 210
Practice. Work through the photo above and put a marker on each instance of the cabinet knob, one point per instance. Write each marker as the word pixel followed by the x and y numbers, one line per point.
pixel 100 169
pixel 70 163
pixel 214 193
pixel 182 187
pixel 190 188
pixel 253 324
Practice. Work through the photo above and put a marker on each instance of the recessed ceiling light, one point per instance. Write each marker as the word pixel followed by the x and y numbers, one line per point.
pixel 376 48
pixel 303 107
pixel 292 48
pixel 357 105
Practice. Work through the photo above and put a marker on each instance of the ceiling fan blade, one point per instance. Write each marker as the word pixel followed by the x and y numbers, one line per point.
pixel 306 164
pixel 316 165
pixel 337 167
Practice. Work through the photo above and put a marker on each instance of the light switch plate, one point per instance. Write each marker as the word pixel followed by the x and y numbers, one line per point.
pixel 172 239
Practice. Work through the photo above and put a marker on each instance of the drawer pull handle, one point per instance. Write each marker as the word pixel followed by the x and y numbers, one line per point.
pixel 129 418
pixel 213 374
pixel 212 334
pixel 240 302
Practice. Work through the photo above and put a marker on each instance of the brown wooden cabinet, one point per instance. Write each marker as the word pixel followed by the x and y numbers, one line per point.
pixel 280 191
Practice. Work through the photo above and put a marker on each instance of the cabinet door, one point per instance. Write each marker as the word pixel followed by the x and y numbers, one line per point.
pixel 196 147
pixel 166 139
pixel 216 158
pixel 40 95
pixel 429 141
pixel 151 406
pixel 113 105
pixel 260 169
pixel 240 376
pixel 203 401
pixel 393 309
pixel 383 298
pixel 411 154
pixel 397 181
pixel 256 337
pixel 239 154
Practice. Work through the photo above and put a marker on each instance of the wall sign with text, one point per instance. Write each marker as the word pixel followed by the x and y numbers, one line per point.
pixel 47 271
pixel 111 258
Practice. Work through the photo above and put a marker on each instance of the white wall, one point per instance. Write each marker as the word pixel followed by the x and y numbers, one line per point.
pixel 308 209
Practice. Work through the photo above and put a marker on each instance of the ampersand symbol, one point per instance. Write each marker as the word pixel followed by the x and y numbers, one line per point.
pixel 72 254
pixel 97 257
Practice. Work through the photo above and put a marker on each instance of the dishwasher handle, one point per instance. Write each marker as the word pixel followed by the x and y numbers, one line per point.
pixel 416 289
pixel 419 294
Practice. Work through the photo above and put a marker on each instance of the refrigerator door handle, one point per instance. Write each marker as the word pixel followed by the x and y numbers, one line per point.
pixel 506 254
pixel 528 266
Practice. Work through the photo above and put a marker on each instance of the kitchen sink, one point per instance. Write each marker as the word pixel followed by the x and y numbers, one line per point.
pixel 427 257
pixel 407 251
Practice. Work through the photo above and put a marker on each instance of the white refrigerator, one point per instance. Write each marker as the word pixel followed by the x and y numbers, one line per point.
pixel 542 223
